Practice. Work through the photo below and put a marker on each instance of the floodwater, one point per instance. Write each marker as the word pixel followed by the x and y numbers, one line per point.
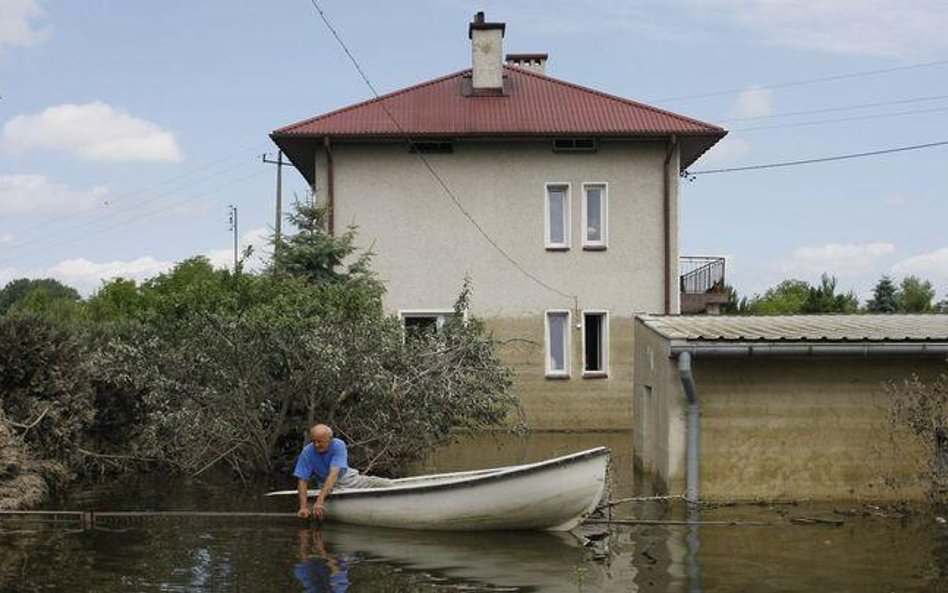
pixel 804 547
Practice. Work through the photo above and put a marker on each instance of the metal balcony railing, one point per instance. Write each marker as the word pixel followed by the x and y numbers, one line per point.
pixel 701 275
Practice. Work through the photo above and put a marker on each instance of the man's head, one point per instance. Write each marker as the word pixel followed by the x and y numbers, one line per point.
pixel 321 436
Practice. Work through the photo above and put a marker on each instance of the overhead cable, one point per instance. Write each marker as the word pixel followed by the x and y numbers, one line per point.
pixel 441 182
pixel 841 157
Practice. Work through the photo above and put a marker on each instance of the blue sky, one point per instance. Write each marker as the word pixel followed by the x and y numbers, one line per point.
pixel 128 128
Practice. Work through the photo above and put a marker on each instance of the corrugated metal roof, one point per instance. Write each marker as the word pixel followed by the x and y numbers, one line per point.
pixel 531 104
pixel 802 328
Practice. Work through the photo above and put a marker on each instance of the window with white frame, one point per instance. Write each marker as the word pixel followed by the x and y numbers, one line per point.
pixel 595 343
pixel 557 343
pixel 595 215
pixel 557 216
pixel 419 323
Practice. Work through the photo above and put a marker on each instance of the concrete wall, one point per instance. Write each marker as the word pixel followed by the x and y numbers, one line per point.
pixel 658 411
pixel 778 428
pixel 805 428
pixel 425 246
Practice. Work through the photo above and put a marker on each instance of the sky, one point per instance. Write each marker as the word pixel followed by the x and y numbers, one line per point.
pixel 128 130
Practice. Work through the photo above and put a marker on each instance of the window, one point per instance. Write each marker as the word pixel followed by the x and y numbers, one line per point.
pixel 557 343
pixel 430 146
pixel 421 323
pixel 574 145
pixel 595 219
pixel 557 216
pixel 595 344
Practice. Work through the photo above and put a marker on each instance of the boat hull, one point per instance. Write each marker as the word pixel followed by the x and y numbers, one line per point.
pixel 556 495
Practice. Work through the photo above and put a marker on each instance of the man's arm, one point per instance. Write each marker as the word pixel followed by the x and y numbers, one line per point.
pixel 319 509
pixel 302 486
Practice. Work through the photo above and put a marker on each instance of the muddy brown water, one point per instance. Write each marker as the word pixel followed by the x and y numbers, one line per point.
pixel 802 547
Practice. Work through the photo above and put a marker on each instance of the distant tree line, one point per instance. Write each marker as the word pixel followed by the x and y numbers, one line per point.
pixel 911 295
pixel 201 367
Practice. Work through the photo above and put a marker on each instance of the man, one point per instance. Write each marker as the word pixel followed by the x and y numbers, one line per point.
pixel 327 459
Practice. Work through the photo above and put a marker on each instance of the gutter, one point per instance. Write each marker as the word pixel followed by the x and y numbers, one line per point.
pixel 330 193
pixel 693 434
pixel 748 349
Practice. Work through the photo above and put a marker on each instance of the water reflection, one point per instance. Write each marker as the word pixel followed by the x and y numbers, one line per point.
pixel 533 561
pixel 871 551
pixel 319 570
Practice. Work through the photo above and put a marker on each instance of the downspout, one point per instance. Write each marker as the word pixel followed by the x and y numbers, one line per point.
pixel 666 219
pixel 330 194
pixel 693 435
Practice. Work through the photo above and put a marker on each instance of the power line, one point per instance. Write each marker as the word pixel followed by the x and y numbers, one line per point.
pixel 129 208
pixel 817 160
pixel 118 205
pixel 836 109
pixel 841 119
pixel 441 182
pixel 97 226
pixel 807 81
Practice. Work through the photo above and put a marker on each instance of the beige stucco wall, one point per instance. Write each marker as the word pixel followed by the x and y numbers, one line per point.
pixel 425 246
pixel 778 428
pixel 577 403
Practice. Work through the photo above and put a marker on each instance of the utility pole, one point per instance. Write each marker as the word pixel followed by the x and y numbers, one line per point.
pixel 233 227
pixel 278 223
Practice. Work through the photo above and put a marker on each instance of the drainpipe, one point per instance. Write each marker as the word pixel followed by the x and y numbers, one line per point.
pixel 693 434
pixel 666 219
pixel 330 194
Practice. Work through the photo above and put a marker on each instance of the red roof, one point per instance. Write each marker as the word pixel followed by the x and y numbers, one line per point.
pixel 531 105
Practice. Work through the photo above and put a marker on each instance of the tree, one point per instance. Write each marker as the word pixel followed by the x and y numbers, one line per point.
pixel 885 297
pixel 916 295
pixel 20 289
pixel 735 305
pixel 823 298
pixel 116 299
pixel 787 297
pixel 921 406
pixel 231 368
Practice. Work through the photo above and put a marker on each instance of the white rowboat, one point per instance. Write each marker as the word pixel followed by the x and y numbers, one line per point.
pixel 556 495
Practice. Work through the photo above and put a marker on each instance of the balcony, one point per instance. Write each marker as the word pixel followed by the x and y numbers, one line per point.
pixel 701 284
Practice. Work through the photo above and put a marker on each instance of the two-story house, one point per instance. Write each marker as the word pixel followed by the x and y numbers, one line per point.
pixel 559 202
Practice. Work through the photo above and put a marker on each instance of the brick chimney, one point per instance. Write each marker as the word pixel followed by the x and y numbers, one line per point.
pixel 487 52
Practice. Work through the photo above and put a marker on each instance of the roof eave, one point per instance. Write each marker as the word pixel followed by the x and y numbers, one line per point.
pixel 771 348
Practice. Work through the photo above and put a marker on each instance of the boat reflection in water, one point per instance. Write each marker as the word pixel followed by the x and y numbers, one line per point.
pixel 332 558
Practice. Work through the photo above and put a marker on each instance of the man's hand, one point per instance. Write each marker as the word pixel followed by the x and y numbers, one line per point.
pixel 303 513
pixel 319 511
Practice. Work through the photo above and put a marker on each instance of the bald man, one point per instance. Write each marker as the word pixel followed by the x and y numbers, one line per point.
pixel 327 459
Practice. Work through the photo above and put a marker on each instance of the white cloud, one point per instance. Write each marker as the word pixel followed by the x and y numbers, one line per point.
pixel 18 26
pixel 87 276
pixel 856 27
pixel 7 239
pixel 752 103
pixel 838 259
pixel 932 265
pixel 25 195
pixel 93 131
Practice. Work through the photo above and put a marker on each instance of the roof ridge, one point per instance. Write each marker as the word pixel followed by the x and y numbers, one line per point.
pixel 378 99
pixel 622 100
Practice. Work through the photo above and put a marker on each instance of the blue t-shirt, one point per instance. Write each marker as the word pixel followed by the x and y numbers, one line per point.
pixel 313 463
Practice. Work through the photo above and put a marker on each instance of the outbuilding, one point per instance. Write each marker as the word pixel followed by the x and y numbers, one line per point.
pixel 781 407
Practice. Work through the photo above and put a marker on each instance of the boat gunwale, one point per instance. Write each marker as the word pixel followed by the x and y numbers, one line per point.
pixel 501 473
